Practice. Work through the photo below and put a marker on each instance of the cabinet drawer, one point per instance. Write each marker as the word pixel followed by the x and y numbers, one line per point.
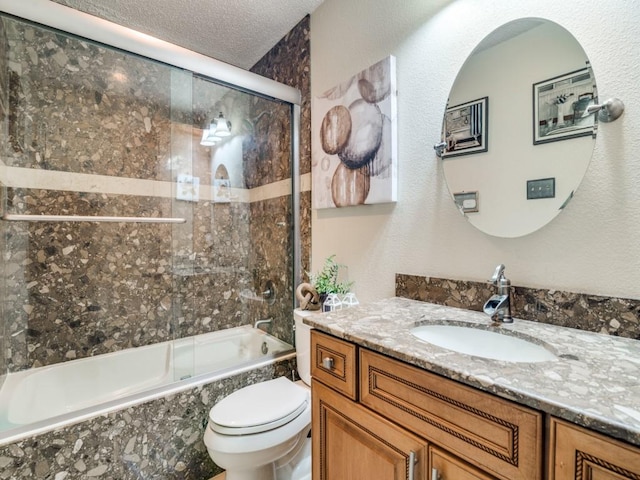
pixel 577 453
pixel 333 362
pixel 498 436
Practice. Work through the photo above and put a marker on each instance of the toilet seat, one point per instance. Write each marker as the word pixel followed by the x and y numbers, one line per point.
pixel 258 408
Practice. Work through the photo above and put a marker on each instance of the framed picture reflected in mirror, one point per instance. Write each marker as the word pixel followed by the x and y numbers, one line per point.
pixel 465 128
pixel 559 106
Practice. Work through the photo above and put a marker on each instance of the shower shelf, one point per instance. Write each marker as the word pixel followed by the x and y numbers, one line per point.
pixel 88 218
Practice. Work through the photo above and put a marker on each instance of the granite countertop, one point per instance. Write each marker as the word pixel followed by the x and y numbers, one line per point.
pixel 594 382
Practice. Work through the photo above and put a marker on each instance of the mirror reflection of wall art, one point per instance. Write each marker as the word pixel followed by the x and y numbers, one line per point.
pixel 221 190
pixel 465 128
pixel 559 105
pixel 187 188
pixel 354 157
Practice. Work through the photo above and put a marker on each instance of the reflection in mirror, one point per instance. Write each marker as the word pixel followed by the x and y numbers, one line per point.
pixel 536 79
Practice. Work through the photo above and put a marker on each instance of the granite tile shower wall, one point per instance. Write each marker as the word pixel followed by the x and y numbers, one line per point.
pixel 80 289
pixel 287 62
pixel 4 101
pixel 88 112
pixel 163 438
pixel 608 315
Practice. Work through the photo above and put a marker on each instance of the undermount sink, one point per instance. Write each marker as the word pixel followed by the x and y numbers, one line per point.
pixel 483 343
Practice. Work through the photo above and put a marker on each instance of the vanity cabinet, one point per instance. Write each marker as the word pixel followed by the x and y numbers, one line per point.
pixel 351 442
pixel 373 415
pixel 500 437
pixel 579 454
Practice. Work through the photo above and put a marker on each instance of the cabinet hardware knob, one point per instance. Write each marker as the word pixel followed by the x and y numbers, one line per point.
pixel 434 474
pixel 328 362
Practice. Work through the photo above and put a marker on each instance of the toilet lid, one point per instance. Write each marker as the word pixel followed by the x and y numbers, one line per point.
pixel 258 408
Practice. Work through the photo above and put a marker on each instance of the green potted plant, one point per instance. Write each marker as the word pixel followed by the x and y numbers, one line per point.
pixel 326 281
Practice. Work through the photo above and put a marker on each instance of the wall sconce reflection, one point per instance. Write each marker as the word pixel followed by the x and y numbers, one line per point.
pixel 219 128
pixel 207 138
pixel 222 127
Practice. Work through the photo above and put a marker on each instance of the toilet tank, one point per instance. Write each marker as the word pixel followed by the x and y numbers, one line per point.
pixel 303 345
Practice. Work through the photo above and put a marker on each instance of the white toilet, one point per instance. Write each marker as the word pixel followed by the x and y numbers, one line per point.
pixel 260 432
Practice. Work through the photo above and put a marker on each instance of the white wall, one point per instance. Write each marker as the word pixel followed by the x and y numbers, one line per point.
pixel 593 246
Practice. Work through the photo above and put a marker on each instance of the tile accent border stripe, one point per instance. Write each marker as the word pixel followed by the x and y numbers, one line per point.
pixel 17 177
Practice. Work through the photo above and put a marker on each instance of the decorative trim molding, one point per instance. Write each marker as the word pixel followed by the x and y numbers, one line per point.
pixel 513 459
pixel 584 471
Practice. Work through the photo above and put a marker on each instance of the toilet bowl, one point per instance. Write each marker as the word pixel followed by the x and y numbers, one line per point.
pixel 260 432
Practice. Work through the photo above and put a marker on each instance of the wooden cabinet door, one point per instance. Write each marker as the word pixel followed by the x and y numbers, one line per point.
pixel 352 443
pixel 578 454
pixel 496 435
pixel 445 466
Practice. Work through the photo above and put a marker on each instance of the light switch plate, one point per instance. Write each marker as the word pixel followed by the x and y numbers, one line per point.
pixel 541 188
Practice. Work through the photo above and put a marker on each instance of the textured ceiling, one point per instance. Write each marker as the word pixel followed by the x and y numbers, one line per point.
pixel 238 32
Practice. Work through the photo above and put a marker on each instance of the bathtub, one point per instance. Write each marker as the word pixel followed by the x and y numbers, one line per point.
pixel 42 399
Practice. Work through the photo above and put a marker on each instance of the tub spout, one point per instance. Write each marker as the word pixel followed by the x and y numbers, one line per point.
pixel 264 321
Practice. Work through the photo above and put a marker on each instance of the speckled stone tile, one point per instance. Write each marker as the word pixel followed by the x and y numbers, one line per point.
pixel 594 380
pixel 207 263
pixel 137 285
pixel 609 315
pixel 107 112
pixel 161 439
pixel 289 62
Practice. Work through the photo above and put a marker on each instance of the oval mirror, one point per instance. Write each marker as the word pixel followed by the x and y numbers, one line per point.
pixel 516 141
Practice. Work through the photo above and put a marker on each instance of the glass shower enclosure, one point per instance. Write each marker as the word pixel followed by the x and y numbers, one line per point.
pixel 149 194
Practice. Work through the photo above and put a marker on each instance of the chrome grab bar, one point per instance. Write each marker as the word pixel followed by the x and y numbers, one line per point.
pixel 11 217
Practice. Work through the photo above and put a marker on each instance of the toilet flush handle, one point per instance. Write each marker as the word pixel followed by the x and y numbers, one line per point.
pixel 328 362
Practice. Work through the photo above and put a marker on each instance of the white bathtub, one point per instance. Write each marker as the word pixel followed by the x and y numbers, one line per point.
pixel 41 399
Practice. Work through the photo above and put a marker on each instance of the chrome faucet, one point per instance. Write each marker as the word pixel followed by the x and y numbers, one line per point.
pixel 498 307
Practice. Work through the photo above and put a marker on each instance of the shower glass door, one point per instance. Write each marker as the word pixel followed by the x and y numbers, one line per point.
pixel 128 220
pixel 235 267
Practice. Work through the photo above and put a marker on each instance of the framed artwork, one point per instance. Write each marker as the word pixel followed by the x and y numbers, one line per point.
pixel 354 146
pixel 559 106
pixel 465 128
